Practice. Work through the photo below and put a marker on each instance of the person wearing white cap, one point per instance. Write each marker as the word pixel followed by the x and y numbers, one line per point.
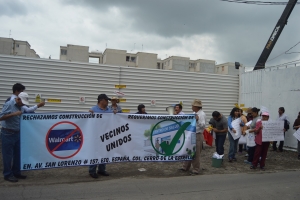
pixel 200 126
pixel 10 134
pixel 17 89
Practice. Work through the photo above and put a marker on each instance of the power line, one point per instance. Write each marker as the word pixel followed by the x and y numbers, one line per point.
pixel 293 62
pixel 258 2
pixel 286 52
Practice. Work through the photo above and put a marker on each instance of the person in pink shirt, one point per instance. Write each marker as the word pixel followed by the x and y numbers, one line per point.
pixel 261 148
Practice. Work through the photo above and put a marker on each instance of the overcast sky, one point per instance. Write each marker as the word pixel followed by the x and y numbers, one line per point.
pixel 199 29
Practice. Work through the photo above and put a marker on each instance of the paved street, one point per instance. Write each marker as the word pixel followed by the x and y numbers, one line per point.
pixel 281 185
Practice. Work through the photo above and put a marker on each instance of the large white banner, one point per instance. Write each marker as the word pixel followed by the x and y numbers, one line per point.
pixel 73 139
pixel 272 131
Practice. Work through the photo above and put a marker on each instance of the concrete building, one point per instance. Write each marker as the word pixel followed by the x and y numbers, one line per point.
pixel 119 57
pixel 227 68
pixel 9 46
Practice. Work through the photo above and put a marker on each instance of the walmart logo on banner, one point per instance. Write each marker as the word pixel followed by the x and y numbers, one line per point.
pixel 61 140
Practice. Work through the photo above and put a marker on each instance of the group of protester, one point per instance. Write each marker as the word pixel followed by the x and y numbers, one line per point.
pixel 17 104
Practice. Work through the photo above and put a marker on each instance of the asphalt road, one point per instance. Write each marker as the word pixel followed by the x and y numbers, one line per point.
pixel 281 185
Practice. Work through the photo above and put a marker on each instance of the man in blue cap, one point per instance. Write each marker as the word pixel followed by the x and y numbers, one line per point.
pixel 101 107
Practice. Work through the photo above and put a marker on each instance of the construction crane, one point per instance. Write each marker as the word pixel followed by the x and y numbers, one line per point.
pixel 275 35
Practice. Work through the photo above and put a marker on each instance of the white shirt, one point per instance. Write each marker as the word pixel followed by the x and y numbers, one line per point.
pixel 181 113
pixel 25 109
pixel 283 117
pixel 200 123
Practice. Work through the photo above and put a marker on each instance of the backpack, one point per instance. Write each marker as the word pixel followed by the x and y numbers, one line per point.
pixel 286 125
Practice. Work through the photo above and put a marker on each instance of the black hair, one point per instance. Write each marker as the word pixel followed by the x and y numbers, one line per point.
pixel 233 110
pixel 256 110
pixel 216 114
pixel 179 105
pixel 282 109
pixel 18 87
pixel 140 107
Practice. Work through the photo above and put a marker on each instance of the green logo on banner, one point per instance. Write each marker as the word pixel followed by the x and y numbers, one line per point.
pixel 168 148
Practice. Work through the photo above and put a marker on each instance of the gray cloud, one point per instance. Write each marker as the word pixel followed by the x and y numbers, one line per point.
pixel 241 31
pixel 12 8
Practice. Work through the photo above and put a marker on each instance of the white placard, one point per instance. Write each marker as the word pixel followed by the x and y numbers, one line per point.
pixel 82 100
pixel 153 102
pixel 236 126
pixel 250 139
pixel 243 139
pixel 272 131
pixel 297 134
pixel 248 123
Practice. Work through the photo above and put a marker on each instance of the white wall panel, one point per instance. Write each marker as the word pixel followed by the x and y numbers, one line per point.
pixel 68 81
pixel 274 89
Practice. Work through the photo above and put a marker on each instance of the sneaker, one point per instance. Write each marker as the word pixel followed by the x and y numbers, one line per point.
pixel 103 173
pixel 11 179
pixel 194 173
pixel 234 159
pixel 262 169
pixel 246 155
pixel 94 175
pixel 247 162
pixel 230 160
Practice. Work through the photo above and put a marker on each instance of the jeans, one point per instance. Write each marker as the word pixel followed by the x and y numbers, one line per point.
pixel 232 146
pixel 219 142
pixel 11 153
pixel 101 168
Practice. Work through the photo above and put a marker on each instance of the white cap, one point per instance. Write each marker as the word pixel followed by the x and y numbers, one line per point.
pixel 24 98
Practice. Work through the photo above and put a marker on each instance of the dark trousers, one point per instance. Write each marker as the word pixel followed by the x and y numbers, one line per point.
pixel 261 152
pixel 241 147
pixel 280 147
pixel 219 142
pixel 10 153
pixel 251 151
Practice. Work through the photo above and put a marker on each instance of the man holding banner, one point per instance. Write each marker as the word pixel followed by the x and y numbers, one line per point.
pixel 101 107
pixel 10 133
pixel 200 126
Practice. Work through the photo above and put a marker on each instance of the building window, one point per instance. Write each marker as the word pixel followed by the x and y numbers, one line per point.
pixel 222 68
pixel 162 66
pixel 17 45
pixel 132 59
pixel 158 65
pixel 127 58
pixel 63 52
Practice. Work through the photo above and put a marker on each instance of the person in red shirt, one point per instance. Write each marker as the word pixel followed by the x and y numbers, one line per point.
pixel 261 148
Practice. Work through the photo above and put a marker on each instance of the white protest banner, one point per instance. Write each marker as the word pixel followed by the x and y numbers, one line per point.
pixel 52 140
pixel 272 131
pixel 297 134
pixel 236 126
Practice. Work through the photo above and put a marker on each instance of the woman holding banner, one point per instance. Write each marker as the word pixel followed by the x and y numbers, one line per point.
pixel 234 114
pixel 296 126
pixel 261 148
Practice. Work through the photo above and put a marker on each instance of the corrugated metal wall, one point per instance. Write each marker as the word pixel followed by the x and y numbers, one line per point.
pixel 68 81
